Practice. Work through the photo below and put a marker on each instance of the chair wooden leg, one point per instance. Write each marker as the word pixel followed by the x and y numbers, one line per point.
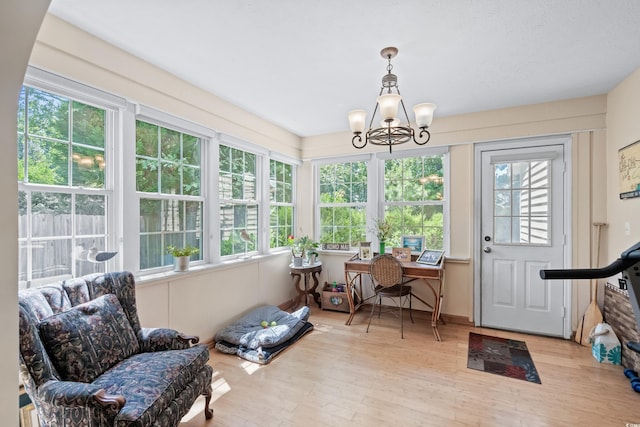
pixel 401 320
pixel 373 307
pixel 208 412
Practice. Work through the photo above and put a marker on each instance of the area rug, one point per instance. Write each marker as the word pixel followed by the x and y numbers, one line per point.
pixel 502 356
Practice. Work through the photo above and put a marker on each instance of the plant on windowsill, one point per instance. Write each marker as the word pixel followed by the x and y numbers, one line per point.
pixel 181 256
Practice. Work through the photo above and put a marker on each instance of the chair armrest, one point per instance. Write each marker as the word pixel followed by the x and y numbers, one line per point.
pixel 160 339
pixel 76 394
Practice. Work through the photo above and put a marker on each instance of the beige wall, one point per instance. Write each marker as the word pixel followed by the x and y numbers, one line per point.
pixel 19 23
pixel 623 128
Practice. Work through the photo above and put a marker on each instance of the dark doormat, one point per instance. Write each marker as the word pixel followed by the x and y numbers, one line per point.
pixel 502 356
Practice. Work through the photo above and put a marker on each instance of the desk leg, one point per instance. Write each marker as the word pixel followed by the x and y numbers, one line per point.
pixel 351 284
pixel 313 291
pixel 435 316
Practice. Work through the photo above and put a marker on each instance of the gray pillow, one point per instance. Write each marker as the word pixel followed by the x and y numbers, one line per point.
pixel 88 339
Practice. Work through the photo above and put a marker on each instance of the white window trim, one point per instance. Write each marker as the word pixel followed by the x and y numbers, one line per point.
pixel 375 184
pixel 114 107
pixel 132 197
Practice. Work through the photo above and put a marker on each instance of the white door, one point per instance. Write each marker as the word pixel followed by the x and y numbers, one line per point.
pixel 522 198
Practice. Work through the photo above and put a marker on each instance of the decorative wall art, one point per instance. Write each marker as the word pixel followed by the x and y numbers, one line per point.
pixel 629 170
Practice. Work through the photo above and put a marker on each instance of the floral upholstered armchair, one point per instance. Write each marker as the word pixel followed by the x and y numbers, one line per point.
pixel 85 360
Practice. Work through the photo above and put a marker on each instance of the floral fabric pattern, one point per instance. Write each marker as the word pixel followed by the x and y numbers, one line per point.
pixel 88 339
pixel 158 373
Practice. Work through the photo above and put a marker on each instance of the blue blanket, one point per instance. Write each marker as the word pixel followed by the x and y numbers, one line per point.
pixel 250 339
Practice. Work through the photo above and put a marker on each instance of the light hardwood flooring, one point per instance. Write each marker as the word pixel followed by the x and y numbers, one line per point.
pixel 339 375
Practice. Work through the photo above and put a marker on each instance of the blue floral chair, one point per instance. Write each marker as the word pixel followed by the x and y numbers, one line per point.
pixel 85 360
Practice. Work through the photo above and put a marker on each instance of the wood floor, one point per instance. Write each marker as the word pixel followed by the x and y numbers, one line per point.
pixel 339 375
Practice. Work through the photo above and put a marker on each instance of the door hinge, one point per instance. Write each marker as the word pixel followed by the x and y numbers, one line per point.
pixel 564 312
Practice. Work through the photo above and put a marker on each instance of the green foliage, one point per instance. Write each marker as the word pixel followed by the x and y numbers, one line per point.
pixel 382 229
pixel 301 245
pixel 185 251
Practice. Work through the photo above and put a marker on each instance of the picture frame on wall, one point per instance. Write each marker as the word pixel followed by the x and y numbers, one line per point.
pixel 430 257
pixel 629 171
pixel 415 243
pixel 365 251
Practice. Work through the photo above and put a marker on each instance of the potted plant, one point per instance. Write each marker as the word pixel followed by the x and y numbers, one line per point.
pixel 301 246
pixel 181 256
pixel 382 229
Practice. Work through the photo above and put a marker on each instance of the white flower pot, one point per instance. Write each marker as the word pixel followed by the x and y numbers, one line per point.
pixel 181 263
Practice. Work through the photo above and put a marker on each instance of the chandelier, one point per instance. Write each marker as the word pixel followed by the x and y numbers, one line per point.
pixel 392 131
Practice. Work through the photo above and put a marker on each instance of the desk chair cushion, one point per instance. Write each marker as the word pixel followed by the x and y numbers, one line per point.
pixel 88 339
pixel 393 291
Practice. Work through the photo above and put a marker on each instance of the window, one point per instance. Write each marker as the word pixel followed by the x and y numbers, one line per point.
pixel 168 181
pixel 62 187
pixel 407 189
pixel 342 202
pixel 414 198
pixel 281 203
pixel 521 202
pixel 238 195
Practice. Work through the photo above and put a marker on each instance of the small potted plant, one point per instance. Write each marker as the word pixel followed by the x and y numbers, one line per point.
pixel 181 256
pixel 301 246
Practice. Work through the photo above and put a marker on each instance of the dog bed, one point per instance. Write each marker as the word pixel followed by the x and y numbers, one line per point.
pixel 249 339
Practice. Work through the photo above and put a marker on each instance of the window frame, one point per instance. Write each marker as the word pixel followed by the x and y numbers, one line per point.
pixel 375 205
pixel 112 106
pixel 294 192
pixel 165 120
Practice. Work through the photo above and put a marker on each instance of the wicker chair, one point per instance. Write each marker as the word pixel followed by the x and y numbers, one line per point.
pixel 387 281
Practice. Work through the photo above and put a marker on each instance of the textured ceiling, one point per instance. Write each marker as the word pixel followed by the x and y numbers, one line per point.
pixel 304 64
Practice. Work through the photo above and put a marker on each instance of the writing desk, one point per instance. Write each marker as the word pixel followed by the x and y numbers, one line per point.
pixel 431 275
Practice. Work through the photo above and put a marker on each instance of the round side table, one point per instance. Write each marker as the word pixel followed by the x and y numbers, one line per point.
pixel 309 272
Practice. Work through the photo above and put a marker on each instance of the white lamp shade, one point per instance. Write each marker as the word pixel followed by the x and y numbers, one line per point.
pixel 357 119
pixel 424 114
pixel 389 105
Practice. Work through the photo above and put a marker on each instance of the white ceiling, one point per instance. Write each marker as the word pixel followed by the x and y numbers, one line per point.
pixel 304 64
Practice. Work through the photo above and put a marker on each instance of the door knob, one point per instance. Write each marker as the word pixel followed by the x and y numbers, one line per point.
pixel 486 249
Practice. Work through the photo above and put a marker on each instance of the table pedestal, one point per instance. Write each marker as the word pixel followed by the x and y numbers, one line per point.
pixel 309 285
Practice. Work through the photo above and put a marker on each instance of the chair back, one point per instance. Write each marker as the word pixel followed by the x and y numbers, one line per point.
pixel 386 271
pixel 36 304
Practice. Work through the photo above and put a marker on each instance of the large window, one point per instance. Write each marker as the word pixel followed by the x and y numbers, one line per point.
pixel 342 202
pixel 168 179
pixel 280 203
pixel 62 190
pixel 408 191
pixel 238 195
pixel 414 198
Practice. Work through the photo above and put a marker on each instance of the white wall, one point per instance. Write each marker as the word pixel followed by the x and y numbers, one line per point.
pixel 19 24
